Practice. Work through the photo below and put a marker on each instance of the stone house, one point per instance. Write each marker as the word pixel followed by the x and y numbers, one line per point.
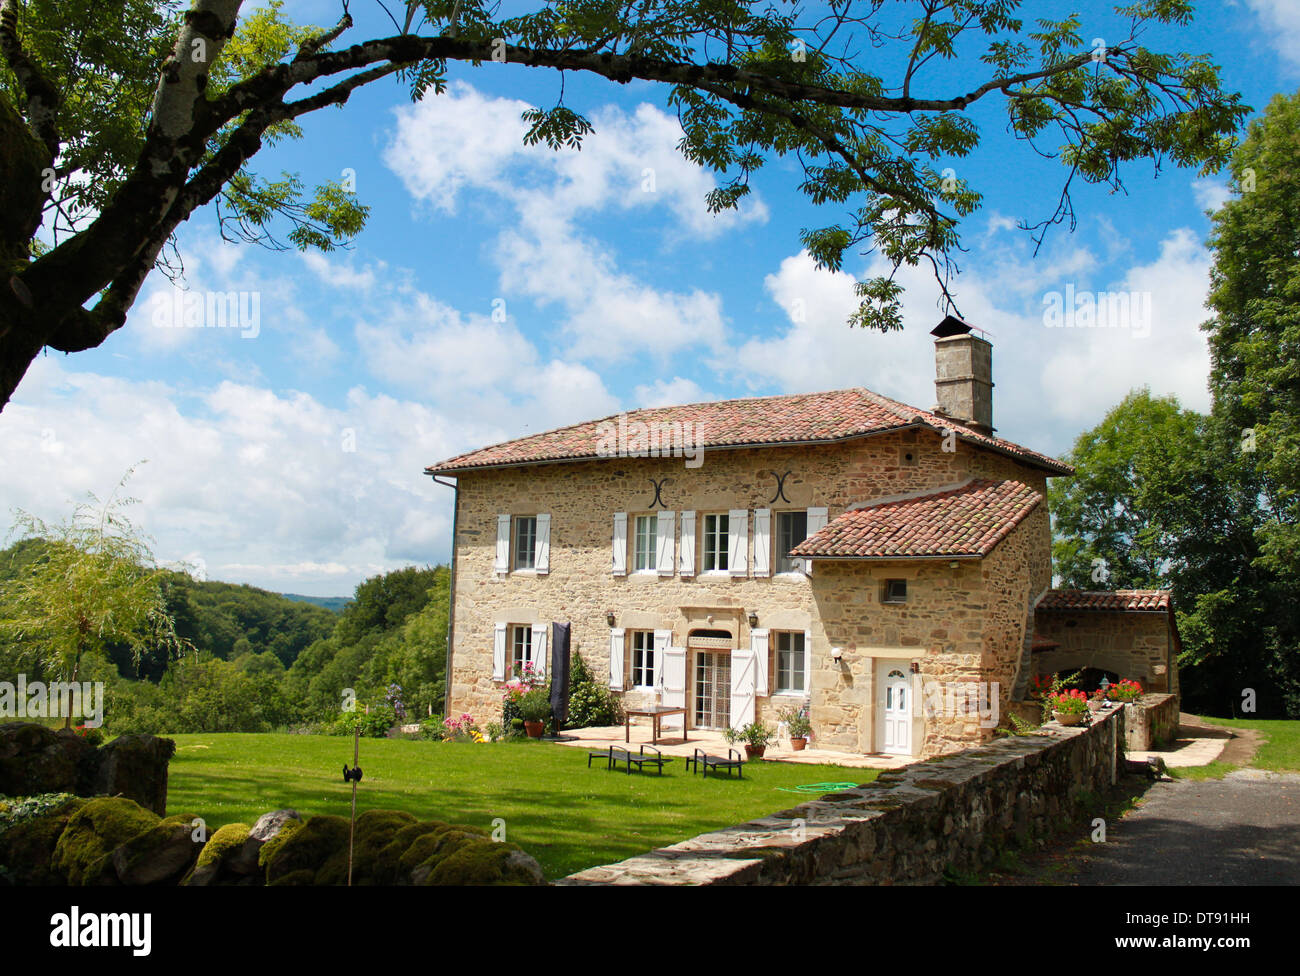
pixel 881 565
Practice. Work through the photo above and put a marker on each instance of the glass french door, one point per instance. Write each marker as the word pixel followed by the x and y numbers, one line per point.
pixel 712 690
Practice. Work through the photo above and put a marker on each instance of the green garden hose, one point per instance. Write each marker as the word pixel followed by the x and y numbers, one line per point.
pixel 818 788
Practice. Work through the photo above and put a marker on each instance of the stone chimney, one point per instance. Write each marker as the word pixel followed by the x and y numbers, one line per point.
pixel 963 374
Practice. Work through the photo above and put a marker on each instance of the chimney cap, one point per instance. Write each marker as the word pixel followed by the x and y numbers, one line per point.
pixel 953 326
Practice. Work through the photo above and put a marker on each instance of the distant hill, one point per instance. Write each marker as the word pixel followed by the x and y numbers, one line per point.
pixel 335 603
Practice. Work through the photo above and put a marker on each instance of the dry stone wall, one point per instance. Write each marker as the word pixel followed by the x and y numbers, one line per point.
pixel 910 826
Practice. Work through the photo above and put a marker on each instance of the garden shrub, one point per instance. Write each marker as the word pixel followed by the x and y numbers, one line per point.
pixel 373 725
pixel 590 702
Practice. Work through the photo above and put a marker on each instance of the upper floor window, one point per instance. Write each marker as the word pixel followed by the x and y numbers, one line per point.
pixel 643 658
pixel 790 662
pixel 643 547
pixel 525 542
pixel 791 529
pixel 715 543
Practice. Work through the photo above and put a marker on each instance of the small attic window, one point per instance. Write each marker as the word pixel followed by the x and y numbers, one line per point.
pixel 907 456
pixel 894 591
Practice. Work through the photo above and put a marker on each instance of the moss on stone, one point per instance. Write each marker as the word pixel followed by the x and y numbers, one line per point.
pixel 95 831
pixel 375 831
pixel 308 848
pixel 303 876
pixel 479 861
pixel 271 846
pixel 224 841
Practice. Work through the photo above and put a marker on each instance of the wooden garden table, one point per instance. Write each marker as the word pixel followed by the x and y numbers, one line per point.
pixel 655 713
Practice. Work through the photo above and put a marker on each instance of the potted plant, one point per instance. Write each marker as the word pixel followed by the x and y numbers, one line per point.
pixel 797 726
pixel 1068 705
pixel 535 709
pixel 755 736
pixel 1126 691
pixel 1098 700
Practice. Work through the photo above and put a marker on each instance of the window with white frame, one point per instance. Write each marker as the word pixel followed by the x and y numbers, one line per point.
pixel 790 660
pixel 791 529
pixel 526 542
pixel 643 544
pixel 521 647
pixel 643 659
pixel 715 540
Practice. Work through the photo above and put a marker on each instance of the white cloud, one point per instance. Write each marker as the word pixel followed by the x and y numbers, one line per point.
pixel 465 140
pixel 671 393
pixel 1281 20
pixel 1210 194
pixel 278 490
pixel 1089 370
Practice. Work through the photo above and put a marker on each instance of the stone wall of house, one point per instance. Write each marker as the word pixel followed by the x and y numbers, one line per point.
pixel 954 813
pixel 938 621
pixel 1132 644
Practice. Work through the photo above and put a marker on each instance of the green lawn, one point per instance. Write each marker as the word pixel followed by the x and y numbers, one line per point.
pixel 565 815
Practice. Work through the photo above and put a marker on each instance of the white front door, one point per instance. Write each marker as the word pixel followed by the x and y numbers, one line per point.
pixel 896 692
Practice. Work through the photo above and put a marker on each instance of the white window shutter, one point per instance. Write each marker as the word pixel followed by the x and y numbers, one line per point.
pixel 502 565
pixel 738 542
pixel 686 554
pixel 758 644
pixel 499 653
pixel 542 559
pixel 664 532
pixel 616 656
pixel 537 648
pixel 816 522
pixel 619 563
pixel 762 543
pixel 807 663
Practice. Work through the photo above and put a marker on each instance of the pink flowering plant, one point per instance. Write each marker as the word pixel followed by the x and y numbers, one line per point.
pixel 460 729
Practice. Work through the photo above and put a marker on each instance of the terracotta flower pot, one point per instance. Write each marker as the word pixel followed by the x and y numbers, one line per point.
pixel 1068 718
pixel 755 752
pixel 534 729
pixel 798 744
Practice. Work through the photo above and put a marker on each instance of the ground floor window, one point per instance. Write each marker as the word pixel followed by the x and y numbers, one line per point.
pixel 790 653
pixel 643 659
pixel 521 647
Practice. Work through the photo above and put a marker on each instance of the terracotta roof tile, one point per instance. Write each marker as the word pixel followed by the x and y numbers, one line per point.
pixel 1064 600
pixel 782 420
pixel 965 521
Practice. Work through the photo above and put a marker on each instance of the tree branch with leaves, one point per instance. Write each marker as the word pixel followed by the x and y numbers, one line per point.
pixel 200 92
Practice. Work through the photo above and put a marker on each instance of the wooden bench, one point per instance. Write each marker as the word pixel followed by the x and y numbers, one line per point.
pixel 702 761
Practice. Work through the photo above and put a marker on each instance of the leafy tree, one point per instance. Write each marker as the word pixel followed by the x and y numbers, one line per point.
pixel 1255 332
pixel 117 168
pixel 94 584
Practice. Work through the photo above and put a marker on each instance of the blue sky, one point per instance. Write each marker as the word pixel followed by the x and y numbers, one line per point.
pixel 499 290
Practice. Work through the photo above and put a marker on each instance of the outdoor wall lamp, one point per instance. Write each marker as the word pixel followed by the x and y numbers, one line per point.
pixel 609 617
pixel 916 667
pixel 837 653
pixel 753 619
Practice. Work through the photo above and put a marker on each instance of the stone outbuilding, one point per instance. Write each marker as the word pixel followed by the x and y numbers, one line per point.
pixel 883 567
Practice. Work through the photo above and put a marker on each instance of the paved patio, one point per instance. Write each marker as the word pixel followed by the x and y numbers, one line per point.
pixel 670 744
pixel 1196 745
